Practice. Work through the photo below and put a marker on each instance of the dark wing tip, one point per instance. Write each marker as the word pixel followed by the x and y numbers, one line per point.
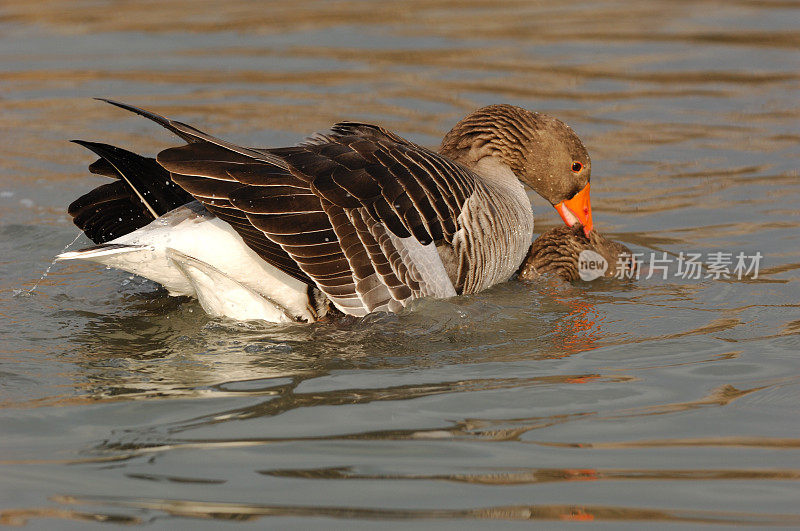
pixel 85 143
pixel 101 166
pixel 100 149
pixel 138 110
pixel 164 122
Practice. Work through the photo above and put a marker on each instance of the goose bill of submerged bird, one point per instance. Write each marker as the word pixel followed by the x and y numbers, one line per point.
pixel 577 210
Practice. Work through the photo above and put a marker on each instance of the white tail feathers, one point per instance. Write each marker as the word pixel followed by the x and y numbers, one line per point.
pixel 102 253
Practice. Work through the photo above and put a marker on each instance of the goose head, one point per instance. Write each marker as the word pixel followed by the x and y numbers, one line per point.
pixel 558 251
pixel 543 152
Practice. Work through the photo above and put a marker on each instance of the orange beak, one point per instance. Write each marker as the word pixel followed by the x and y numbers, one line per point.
pixel 577 210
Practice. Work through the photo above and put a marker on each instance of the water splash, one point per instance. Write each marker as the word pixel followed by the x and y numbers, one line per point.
pixel 29 293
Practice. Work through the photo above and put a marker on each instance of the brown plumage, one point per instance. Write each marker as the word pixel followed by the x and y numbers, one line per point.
pixel 373 220
pixel 556 252
pixel 536 147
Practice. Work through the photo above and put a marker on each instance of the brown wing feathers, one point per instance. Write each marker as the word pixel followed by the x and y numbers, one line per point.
pixel 329 210
pixel 208 172
pixel 273 211
pixel 404 186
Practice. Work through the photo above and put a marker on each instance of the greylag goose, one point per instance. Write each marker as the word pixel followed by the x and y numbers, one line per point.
pixel 355 218
pixel 558 251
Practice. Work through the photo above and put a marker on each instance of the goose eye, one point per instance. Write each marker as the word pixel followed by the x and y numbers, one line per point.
pixel 577 166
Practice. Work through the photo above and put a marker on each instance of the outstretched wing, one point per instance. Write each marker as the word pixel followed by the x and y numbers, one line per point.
pixel 357 211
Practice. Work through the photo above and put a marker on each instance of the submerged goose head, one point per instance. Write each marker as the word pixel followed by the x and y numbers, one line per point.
pixel 557 251
pixel 542 151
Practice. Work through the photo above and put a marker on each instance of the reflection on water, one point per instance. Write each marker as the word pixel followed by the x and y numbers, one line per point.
pixel 168 347
pixel 666 400
pixel 547 475
pixel 241 512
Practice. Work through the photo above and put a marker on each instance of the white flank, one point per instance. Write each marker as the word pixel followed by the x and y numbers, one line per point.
pixel 193 232
pixel 222 296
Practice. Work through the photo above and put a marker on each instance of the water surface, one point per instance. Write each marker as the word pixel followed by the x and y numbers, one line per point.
pixel 671 401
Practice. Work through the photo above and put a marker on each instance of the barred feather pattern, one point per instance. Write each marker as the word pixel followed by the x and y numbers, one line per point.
pixel 371 219
pixel 557 251
pixel 357 212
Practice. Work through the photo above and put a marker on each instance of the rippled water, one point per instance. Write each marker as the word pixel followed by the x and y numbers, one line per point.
pixel 673 401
